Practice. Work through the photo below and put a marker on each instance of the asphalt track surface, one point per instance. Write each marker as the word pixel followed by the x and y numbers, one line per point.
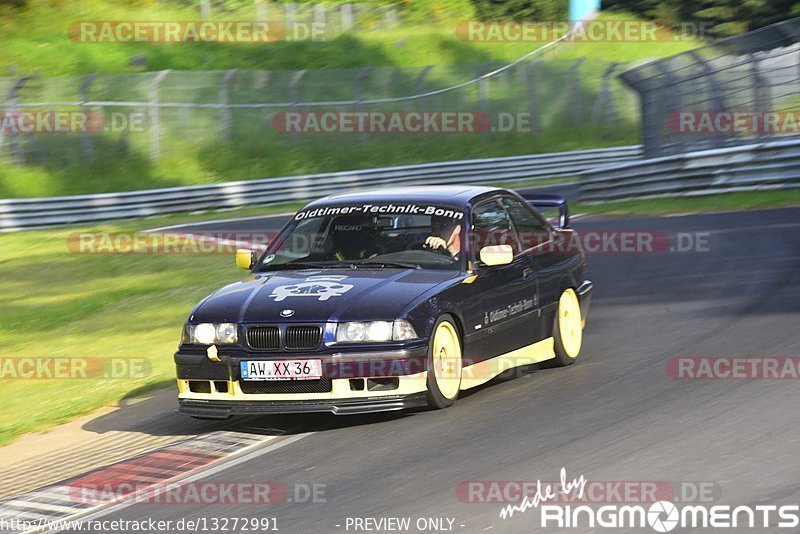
pixel 616 415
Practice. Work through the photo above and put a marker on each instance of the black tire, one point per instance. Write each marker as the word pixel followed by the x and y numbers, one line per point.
pixel 436 399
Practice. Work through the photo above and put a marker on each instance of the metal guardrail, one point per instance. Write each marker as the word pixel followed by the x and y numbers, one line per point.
pixel 773 165
pixel 20 214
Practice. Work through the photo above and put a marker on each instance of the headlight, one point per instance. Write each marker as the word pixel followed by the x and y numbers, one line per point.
pixel 402 331
pixel 211 334
pixel 227 334
pixel 374 332
pixel 204 334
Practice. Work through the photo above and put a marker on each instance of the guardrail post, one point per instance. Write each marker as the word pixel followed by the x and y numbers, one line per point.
pixel 290 17
pixel 419 83
pixel 575 91
pixel 358 89
pixel 205 9
pixel 294 85
pixel 261 11
pixel 154 112
pixel 483 97
pixel 483 86
pixel 390 16
pixel 358 83
pixel 224 101
pixel 261 84
pixel 761 91
pixel 715 93
pixel 347 17
pixel 83 95
pixel 293 90
pixel 320 20
pixel 604 111
pixel 12 100
pixel 793 33
pixel 531 91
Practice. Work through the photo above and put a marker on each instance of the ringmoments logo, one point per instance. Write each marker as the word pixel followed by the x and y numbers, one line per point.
pixel 557 511
pixel 664 516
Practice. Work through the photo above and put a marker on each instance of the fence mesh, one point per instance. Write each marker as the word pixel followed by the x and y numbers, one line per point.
pixel 147 115
pixel 738 90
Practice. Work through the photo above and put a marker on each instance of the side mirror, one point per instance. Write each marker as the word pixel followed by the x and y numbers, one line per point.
pixel 497 255
pixel 245 258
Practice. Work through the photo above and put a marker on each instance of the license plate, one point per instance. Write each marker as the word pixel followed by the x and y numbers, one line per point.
pixel 282 370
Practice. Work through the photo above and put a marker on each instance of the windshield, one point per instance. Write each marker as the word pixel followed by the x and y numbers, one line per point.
pixel 408 236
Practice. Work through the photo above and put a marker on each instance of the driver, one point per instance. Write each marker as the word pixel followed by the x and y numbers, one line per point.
pixel 446 235
pixel 354 238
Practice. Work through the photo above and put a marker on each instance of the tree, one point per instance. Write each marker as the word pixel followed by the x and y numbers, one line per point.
pixel 522 9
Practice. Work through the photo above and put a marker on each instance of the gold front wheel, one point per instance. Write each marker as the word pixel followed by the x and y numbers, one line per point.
pixel 444 364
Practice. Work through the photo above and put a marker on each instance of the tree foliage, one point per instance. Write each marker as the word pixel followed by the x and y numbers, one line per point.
pixel 728 17
pixel 521 9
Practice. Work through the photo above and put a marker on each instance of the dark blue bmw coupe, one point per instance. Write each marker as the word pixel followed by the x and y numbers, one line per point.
pixel 386 300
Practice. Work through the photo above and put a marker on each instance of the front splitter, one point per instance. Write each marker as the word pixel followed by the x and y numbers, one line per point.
pixel 225 409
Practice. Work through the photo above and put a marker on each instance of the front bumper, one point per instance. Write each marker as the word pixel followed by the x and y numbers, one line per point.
pixel 353 382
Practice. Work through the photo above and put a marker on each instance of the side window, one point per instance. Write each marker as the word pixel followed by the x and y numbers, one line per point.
pixel 491 226
pixel 532 231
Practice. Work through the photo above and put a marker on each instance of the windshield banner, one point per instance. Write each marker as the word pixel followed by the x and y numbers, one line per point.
pixel 381 209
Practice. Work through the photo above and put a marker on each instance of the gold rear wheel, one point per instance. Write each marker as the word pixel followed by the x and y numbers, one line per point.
pixel 568 328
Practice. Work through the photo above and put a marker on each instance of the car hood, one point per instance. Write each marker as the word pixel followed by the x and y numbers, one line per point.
pixel 320 296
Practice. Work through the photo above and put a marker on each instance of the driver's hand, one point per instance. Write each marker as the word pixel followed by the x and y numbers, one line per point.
pixel 435 242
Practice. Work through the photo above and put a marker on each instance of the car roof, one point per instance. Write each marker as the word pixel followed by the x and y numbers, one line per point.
pixel 449 195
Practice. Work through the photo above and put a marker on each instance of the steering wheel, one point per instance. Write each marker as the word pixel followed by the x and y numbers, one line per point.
pixel 420 245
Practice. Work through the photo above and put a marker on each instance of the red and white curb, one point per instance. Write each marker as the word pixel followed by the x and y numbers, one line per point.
pixel 177 463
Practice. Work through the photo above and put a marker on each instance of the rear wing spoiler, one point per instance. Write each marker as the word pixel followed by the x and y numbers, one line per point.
pixel 548 204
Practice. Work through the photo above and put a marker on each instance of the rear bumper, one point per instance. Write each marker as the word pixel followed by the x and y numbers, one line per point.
pixel 585 299
pixel 225 409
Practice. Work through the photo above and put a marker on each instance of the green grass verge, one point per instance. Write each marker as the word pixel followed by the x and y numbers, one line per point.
pixel 59 304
